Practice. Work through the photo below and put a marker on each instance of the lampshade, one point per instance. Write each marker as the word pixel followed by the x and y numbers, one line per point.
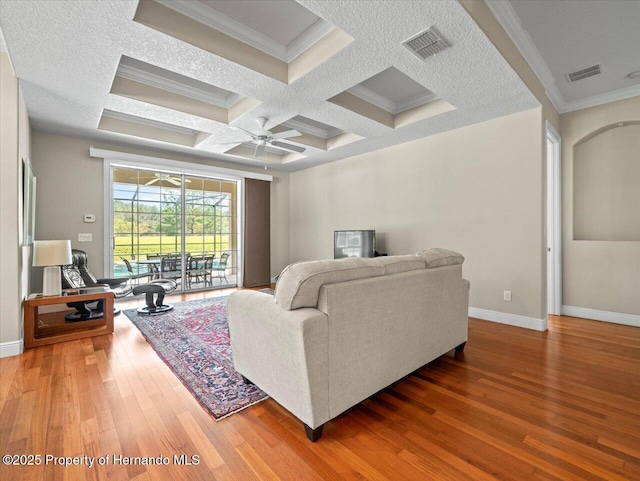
pixel 52 253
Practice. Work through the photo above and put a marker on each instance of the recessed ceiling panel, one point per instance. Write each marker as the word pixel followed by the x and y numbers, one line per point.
pixel 312 127
pixel 148 83
pixel 174 82
pixel 289 43
pixel 393 91
pixel 281 22
pixel 317 134
pixel 392 98
pixel 151 129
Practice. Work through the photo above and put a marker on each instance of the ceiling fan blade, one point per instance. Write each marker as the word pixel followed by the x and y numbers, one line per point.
pixel 173 181
pixel 244 130
pixel 286 134
pixel 260 150
pixel 292 147
pixel 153 181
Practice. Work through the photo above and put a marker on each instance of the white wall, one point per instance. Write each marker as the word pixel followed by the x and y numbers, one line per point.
pixel 14 261
pixel 477 190
pixel 70 184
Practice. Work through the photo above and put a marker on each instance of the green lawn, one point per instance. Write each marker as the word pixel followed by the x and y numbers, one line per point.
pixel 155 244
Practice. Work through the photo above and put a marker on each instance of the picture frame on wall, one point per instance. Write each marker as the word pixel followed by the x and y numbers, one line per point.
pixel 29 203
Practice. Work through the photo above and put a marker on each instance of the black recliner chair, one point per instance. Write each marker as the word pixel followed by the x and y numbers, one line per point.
pixel 78 276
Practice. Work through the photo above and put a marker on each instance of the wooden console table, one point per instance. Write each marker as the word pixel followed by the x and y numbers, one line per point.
pixel 51 327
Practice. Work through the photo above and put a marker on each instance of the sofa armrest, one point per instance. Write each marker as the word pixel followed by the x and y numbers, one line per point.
pixel 285 353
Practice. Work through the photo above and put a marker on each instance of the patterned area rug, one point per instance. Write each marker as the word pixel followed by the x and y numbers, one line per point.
pixel 193 340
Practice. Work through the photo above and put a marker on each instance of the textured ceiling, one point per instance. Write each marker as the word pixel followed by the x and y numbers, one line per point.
pixel 66 54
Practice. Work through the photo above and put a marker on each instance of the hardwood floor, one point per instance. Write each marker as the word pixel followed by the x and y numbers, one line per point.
pixel 516 405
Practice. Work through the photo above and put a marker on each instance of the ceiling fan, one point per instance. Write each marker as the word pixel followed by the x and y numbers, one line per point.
pixel 172 179
pixel 264 138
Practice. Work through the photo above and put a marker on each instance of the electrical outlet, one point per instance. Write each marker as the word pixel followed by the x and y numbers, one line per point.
pixel 85 237
pixel 507 295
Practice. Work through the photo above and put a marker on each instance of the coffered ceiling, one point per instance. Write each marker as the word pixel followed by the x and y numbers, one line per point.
pixel 179 76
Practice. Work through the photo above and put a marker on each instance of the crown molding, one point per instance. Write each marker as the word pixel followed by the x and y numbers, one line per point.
pixel 389 105
pixel 200 12
pixel 112 114
pixel 605 98
pixel 555 98
pixel 311 130
pixel 307 38
pixel 3 44
pixel 506 15
pixel 415 101
pixel 373 98
pixel 154 80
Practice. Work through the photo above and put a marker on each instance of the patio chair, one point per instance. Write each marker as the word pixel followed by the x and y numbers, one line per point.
pixel 136 276
pixel 171 267
pixel 220 267
pixel 200 267
pixel 154 267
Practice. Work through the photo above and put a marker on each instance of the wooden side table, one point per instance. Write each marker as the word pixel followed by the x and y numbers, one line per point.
pixel 48 328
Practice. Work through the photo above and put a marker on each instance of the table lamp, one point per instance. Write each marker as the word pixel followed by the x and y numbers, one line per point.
pixel 51 254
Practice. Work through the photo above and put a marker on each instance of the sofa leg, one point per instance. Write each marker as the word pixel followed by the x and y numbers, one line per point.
pixel 246 381
pixel 313 434
pixel 460 348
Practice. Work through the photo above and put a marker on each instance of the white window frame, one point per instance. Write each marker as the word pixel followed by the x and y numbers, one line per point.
pixel 123 159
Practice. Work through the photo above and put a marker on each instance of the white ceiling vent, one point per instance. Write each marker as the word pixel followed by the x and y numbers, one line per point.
pixel 583 73
pixel 426 44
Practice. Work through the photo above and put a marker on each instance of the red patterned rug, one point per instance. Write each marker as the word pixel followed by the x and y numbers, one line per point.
pixel 193 340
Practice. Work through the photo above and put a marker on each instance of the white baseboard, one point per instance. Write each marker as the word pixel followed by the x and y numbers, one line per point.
pixel 273 280
pixel 11 348
pixel 606 316
pixel 511 319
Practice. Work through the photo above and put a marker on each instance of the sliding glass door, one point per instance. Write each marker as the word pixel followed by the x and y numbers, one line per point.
pixel 174 226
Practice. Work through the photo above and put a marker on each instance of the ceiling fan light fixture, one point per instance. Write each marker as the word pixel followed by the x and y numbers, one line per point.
pixel 265 138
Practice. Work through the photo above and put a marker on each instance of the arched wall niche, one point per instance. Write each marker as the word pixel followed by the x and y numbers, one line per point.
pixel 606 181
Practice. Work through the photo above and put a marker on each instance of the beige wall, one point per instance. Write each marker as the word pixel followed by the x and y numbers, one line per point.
pixel 477 190
pixel 70 184
pixel 606 185
pixel 484 18
pixel 14 146
pixel 601 275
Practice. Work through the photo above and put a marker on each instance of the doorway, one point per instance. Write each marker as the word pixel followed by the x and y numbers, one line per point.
pixel 554 221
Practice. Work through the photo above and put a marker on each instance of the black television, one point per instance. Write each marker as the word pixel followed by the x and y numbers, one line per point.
pixel 354 243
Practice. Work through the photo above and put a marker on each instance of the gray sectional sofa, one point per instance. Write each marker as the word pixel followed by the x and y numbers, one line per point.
pixel 338 331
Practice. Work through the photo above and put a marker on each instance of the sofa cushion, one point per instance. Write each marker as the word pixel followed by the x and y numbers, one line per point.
pixel 299 284
pixel 437 257
pixel 398 264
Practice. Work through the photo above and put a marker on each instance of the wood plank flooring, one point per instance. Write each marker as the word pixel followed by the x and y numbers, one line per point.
pixel 516 405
